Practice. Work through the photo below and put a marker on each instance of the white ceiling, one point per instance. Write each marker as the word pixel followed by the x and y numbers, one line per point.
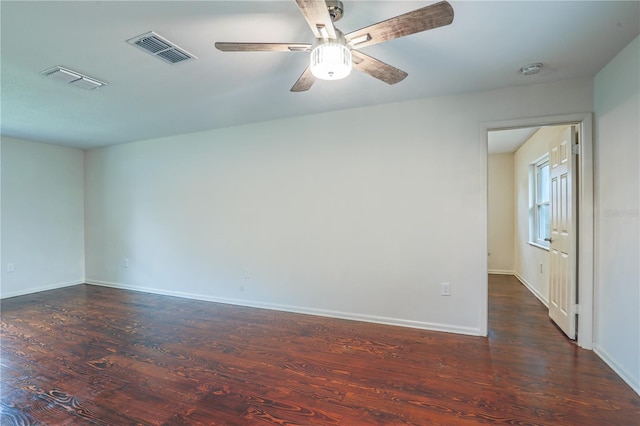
pixel 147 98
pixel 508 141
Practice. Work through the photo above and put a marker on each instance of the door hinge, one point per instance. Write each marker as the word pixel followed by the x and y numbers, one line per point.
pixel 575 308
pixel 575 149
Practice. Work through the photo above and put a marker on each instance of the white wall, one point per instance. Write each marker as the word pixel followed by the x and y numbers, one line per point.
pixel 42 216
pixel 617 105
pixel 359 213
pixel 531 262
pixel 501 213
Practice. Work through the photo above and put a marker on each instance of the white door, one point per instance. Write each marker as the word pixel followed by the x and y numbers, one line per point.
pixel 562 252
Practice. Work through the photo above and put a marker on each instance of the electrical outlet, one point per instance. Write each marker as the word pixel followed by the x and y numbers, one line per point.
pixel 125 263
pixel 11 267
pixel 445 289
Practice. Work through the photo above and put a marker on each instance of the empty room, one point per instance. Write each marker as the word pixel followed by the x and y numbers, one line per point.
pixel 320 212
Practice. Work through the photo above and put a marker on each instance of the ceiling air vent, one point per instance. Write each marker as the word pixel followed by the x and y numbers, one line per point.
pixel 73 77
pixel 161 48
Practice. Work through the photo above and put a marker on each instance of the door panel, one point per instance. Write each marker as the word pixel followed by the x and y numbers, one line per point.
pixel 562 252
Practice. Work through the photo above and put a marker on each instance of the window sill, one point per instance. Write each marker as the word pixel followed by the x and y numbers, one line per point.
pixel 540 246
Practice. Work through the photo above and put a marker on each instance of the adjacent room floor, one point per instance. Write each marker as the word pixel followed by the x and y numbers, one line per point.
pixel 94 355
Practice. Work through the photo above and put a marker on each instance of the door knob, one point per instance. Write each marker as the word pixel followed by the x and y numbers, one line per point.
pixel 549 239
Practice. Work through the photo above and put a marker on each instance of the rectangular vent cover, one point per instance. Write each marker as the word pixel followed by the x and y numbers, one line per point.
pixel 161 48
pixel 73 77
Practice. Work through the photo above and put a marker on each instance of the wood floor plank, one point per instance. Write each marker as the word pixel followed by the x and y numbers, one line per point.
pixel 94 355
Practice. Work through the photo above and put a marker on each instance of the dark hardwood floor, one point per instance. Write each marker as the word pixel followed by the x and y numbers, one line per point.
pixel 93 355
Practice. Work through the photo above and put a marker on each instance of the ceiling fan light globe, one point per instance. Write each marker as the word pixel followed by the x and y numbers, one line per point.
pixel 331 61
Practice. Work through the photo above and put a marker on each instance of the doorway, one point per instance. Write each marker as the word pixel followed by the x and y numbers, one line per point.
pixel 583 208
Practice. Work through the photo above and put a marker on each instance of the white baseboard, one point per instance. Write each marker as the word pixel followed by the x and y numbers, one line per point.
pixel 620 371
pixel 501 272
pixel 298 309
pixel 533 290
pixel 30 290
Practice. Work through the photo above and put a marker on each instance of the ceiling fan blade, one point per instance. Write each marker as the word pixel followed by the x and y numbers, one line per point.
pixel 262 47
pixel 377 68
pixel 305 81
pixel 317 15
pixel 426 18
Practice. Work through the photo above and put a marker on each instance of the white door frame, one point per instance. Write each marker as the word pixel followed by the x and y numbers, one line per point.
pixel 585 216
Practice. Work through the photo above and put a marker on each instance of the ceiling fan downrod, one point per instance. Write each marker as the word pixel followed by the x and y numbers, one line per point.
pixel 336 10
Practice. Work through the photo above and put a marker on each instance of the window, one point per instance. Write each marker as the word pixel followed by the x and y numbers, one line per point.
pixel 539 228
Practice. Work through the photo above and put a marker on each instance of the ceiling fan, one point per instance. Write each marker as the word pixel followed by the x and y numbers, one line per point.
pixel 336 53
